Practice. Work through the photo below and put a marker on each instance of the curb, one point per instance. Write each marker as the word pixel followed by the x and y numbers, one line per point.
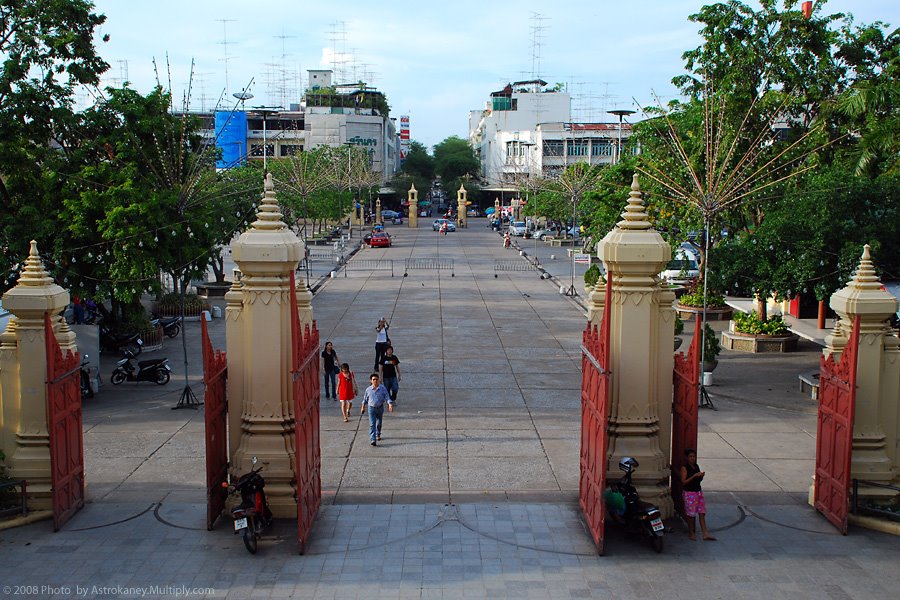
pixel 884 526
pixel 32 517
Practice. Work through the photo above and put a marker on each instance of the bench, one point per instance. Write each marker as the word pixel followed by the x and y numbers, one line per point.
pixel 555 241
pixel 369 264
pixel 809 382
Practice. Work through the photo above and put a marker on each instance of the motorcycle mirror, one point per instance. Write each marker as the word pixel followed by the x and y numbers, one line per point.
pixel 253 461
pixel 225 484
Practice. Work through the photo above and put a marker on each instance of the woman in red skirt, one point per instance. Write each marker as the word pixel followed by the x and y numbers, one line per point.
pixel 694 504
pixel 346 389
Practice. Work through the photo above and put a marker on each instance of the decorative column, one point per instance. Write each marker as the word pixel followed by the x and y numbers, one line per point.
pixel 378 210
pixel 266 254
pixel 412 197
pixel 304 304
pixel 641 347
pixel 234 384
pixel 461 196
pixel 497 207
pixel 596 302
pixel 875 427
pixel 23 353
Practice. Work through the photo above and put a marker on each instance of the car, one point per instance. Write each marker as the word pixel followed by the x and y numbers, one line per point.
pixel 436 224
pixel 473 212
pixel 390 214
pixel 683 268
pixel 380 240
pixel 543 232
pixel 517 228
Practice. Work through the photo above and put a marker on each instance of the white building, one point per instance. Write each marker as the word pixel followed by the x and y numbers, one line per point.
pixel 526 130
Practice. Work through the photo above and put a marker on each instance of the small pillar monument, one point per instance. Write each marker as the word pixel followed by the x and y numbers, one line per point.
pixel 461 199
pixel 877 412
pixel 412 197
pixel 24 437
pixel 259 350
pixel 641 350
pixel 378 211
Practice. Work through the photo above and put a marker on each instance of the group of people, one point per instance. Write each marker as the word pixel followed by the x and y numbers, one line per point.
pixel 340 382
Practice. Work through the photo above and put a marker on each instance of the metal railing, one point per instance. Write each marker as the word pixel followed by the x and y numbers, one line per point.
pixel 871 510
pixel 429 264
pixel 22 509
pixel 513 265
pixel 369 264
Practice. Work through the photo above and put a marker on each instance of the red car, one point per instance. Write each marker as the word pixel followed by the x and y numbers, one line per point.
pixel 380 240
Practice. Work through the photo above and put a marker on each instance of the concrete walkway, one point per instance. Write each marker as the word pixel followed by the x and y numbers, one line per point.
pixel 473 492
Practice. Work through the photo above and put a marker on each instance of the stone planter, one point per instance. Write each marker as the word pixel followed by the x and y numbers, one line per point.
pixel 712 314
pixel 211 289
pixel 748 342
pixel 190 314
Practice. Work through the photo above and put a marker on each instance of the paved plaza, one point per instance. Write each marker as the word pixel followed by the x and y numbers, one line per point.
pixel 473 491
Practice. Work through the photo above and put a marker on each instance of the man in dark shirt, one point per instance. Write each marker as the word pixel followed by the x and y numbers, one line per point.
pixel 389 367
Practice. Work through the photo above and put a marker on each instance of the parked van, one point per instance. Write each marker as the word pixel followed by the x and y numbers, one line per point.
pixel 683 268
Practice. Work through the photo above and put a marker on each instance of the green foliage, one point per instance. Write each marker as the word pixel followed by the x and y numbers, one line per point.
pixel 7 495
pixel 193 303
pixel 679 326
pixel 454 160
pixel 750 323
pixel 711 345
pixel 694 297
pixel 592 275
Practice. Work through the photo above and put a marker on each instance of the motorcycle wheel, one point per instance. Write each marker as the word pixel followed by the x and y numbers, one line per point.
pixel 162 377
pixel 173 331
pixel 117 377
pixel 657 542
pixel 250 537
pixel 133 348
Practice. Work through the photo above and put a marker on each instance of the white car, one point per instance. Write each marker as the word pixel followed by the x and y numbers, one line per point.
pixel 436 224
pixel 390 214
pixel 684 267
pixel 517 228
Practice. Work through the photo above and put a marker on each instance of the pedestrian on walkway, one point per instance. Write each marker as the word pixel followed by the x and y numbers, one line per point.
pixel 329 369
pixel 347 390
pixel 390 372
pixel 382 340
pixel 694 505
pixel 374 399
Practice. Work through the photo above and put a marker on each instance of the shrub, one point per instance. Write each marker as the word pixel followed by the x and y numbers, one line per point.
pixel 694 297
pixel 750 323
pixel 171 304
pixel 679 326
pixel 7 495
pixel 592 275
pixel 711 346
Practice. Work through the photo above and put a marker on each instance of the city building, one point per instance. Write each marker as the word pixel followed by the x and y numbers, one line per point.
pixel 328 115
pixel 526 130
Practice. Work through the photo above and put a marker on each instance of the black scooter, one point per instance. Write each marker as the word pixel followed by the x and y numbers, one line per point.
pixel 86 390
pixel 171 325
pixel 156 370
pixel 624 506
pixel 252 516
pixel 110 342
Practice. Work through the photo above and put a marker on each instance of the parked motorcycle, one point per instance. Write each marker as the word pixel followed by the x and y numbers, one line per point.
pixel 156 370
pixel 113 342
pixel 171 325
pixel 86 390
pixel 252 516
pixel 624 506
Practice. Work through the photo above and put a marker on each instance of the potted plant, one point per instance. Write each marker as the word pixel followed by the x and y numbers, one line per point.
pixel 711 349
pixel 679 329
pixel 592 276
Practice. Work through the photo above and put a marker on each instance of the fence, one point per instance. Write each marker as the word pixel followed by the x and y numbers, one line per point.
pixel 429 264
pixel 369 264
pixel 513 265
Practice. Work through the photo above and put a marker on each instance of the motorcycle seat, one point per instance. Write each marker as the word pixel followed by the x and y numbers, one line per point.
pixel 143 364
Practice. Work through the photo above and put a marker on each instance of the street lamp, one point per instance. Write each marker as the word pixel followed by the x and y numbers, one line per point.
pixel 265 111
pixel 622 112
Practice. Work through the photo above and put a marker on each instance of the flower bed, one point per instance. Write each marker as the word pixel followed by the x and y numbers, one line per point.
pixel 170 306
pixel 691 303
pixel 748 333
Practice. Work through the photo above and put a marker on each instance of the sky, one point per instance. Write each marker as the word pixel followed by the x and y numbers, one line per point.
pixel 434 61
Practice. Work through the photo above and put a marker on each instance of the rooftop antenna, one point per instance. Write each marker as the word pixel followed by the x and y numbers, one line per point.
pixel 242 96
pixel 225 43
pixel 537 36
pixel 283 89
pixel 338 58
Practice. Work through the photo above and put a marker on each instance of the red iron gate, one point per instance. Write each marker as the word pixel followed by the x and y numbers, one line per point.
pixel 308 460
pixel 215 408
pixel 64 427
pixel 834 434
pixel 595 388
pixel 685 405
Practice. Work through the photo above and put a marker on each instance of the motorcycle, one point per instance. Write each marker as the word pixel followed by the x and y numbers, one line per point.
pixel 113 342
pixel 252 516
pixel 171 325
pixel 625 507
pixel 86 390
pixel 156 370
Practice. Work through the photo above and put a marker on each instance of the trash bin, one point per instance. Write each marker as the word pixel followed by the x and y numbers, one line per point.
pixel 217 312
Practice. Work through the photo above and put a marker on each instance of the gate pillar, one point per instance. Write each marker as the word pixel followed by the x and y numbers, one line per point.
pixel 877 418
pixel 596 302
pixel 641 350
pixel 412 197
pixel 259 351
pixel 25 437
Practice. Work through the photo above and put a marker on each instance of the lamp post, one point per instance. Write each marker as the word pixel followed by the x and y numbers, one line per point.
pixel 265 111
pixel 622 112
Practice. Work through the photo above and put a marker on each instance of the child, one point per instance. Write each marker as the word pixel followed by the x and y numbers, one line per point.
pixel 691 475
pixel 347 390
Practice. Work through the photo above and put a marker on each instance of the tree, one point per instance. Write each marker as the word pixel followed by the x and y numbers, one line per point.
pixel 48 51
pixel 454 159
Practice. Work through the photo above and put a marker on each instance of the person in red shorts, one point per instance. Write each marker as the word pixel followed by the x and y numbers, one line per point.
pixel 694 505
